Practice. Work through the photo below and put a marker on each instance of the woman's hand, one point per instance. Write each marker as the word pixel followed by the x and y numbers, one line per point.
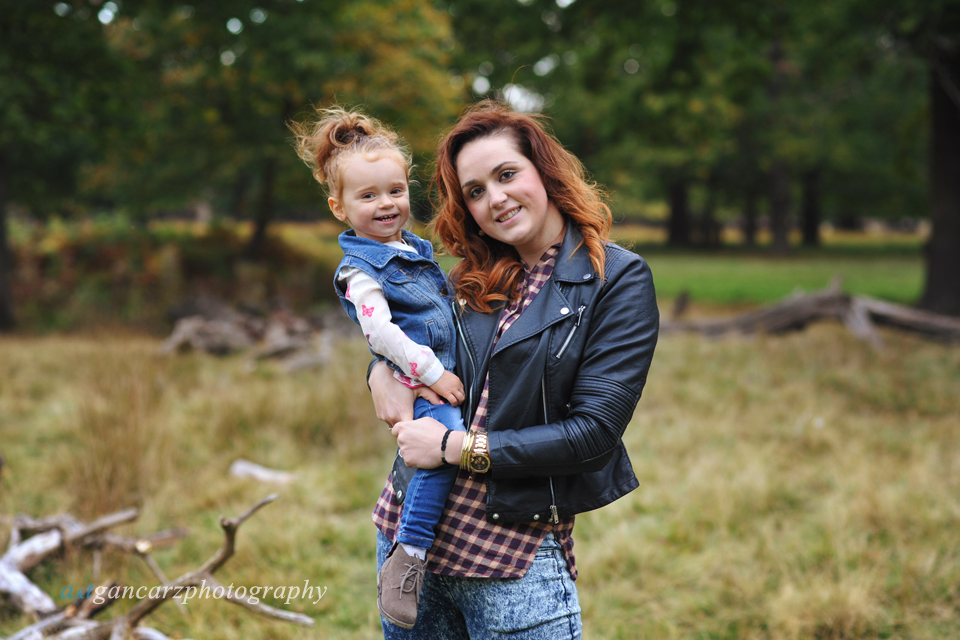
pixel 420 441
pixel 392 399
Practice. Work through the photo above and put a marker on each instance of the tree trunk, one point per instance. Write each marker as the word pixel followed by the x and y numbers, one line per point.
pixel 810 209
pixel 779 175
pixel 7 319
pixel 941 291
pixel 780 206
pixel 750 219
pixel 709 228
pixel 256 249
pixel 679 224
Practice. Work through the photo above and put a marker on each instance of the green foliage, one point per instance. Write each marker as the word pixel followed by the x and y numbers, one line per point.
pixel 218 83
pixel 57 90
pixel 106 272
pixel 650 93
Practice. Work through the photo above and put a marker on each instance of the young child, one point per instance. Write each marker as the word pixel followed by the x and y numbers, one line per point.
pixel 390 285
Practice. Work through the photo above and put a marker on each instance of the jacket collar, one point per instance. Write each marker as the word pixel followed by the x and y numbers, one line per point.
pixel 573 262
pixel 379 254
pixel 551 304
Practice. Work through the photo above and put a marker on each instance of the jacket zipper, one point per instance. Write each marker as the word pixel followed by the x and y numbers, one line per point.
pixel 573 330
pixel 466 347
pixel 554 517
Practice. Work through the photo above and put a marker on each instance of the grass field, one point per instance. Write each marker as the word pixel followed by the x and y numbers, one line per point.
pixel 796 487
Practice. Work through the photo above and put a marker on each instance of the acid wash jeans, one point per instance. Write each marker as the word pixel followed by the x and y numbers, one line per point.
pixel 542 605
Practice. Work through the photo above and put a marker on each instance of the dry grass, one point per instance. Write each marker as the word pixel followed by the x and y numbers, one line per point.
pixel 796 487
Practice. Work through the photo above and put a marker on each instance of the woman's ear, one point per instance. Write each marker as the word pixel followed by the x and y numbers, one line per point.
pixel 337 210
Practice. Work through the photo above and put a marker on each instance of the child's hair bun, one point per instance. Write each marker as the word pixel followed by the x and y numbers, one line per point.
pixel 322 142
pixel 346 133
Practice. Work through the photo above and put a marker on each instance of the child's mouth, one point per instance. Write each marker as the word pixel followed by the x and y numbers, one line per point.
pixel 389 218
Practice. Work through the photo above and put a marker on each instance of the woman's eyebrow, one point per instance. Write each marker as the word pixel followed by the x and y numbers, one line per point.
pixel 492 171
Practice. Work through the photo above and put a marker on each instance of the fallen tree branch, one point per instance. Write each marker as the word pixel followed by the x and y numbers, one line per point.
pixel 75 626
pixel 859 314
pixel 50 535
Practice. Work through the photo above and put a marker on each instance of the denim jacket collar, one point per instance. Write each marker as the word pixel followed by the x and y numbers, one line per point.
pixel 379 254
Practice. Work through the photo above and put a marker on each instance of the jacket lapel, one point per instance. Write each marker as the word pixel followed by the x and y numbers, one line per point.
pixel 551 305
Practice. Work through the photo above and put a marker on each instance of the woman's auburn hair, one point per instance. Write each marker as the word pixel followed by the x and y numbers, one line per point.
pixel 489 270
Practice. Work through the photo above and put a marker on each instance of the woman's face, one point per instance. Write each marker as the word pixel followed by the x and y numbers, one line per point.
pixel 506 197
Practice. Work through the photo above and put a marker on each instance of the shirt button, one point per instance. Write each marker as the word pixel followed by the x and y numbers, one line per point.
pixel 536 516
pixel 564 311
pixel 586 276
pixel 496 516
pixel 399 495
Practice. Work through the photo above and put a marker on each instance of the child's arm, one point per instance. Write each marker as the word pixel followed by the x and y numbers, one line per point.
pixel 385 337
pixel 449 388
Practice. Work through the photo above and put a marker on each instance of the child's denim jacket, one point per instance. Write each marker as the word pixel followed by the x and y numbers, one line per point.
pixel 414 286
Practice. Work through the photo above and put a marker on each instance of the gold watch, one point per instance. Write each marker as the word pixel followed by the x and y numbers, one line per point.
pixel 480 454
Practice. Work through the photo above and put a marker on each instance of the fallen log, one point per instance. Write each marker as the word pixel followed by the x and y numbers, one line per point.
pixel 859 314
pixel 74 621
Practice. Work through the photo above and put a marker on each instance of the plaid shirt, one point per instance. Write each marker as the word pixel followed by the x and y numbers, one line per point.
pixel 467 545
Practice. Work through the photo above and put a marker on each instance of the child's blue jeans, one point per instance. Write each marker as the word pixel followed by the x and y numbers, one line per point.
pixel 429 488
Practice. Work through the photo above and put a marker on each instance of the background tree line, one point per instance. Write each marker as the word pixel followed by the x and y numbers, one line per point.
pixel 810 111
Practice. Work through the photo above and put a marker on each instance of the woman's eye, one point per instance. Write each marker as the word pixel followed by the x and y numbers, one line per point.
pixel 474 193
pixel 506 175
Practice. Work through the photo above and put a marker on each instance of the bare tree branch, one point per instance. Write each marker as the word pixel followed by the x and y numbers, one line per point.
pixel 266 610
pixel 73 623
pixel 49 536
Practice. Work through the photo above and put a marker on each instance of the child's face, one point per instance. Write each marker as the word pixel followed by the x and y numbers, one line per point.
pixel 375 199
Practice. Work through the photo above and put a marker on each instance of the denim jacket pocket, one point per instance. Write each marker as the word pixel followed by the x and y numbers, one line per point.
pixel 404 274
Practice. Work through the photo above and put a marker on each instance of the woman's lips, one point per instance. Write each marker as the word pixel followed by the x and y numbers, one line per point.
pixel 509 215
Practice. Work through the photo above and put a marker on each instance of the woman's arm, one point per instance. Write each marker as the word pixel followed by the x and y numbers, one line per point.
pixel 610 376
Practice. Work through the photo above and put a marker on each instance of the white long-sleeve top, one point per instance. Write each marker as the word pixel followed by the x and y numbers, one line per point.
pixel 417 361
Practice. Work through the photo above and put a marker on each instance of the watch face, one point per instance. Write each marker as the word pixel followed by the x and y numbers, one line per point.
pixel 479 463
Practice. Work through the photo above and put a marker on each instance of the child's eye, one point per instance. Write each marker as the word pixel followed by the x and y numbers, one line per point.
pixel 397 191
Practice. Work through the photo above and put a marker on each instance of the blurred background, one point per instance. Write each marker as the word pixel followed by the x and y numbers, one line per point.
pixel 144 150
pixel 792 486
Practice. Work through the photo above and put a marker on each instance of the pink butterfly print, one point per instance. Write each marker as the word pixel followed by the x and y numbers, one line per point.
pixel 367 311
pixel 348 292
pixel 413 370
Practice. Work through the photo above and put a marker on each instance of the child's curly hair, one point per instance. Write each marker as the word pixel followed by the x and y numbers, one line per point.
pixel 337 133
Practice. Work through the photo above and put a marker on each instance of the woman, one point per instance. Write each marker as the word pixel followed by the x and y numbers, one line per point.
pixel 556 329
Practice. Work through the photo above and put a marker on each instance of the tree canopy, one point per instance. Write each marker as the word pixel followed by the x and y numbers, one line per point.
pixel 691 113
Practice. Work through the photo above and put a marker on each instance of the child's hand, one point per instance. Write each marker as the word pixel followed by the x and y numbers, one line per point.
pixel 450 388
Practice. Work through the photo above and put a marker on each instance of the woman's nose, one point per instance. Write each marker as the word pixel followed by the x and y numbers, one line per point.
pixel 497 197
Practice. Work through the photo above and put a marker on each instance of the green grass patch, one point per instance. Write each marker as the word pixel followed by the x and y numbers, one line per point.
pixel 752 279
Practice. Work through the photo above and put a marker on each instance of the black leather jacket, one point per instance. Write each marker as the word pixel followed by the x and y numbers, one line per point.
pixel 565 379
